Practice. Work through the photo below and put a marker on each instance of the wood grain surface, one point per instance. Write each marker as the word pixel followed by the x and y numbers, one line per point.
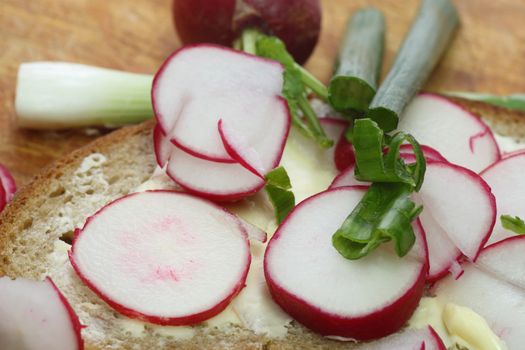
pixel 487 55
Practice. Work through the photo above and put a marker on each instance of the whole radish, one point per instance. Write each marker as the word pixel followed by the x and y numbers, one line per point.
pixel 296 22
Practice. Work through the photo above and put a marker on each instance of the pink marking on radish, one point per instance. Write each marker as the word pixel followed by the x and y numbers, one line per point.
pixel 161 145
pixel 475 137
pixel 162 279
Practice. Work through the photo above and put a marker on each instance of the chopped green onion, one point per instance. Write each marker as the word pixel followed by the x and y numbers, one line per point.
pixel 372 164
pixel 355 80
pixel 514 224
pixel 294 90
pixel 54 95
pixel 278 188
pixel 384 213
pixel 513 102
pixel 313 83
pixel 426 42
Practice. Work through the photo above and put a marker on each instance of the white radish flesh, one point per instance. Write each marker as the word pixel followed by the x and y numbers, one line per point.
pixel 257 142
pixel 163 257
pixel 200 84
pixel 413 339
pixel 455 133
pixel 506 180
pixel 493 287
pixel 35 315
pixel 212 180
pixel 362 299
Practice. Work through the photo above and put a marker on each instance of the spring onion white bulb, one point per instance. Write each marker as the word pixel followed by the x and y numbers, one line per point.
pixel 57 95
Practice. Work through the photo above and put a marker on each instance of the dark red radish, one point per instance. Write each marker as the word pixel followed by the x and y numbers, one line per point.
pixel 213 180
pixel 8 183
pixel 506 180
pixel 412 339
pixel 360 299
pixel 296 22
pixel 493 287
pixel 199 85
pixel 459 136
pixel 162 146
pixel 459 212
pixel 344 156
pixel 35 315
pixel 261 153
pixel 163 257
pixel 3 196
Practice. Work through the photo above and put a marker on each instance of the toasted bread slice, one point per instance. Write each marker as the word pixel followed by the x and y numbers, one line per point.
pixel 60 198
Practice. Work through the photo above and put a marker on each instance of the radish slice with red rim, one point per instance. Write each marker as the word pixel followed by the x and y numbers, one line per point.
pixel 162 146
pixel 163 257
pixel 257 142
pixel 506 180
pixel 361 299
pixel 494 288
pixel 213 180
pixel 3 196
pixel 35 315
pixel 461 137
pixel 200 84
pixel 8 183
pixel 412 339
pixel 429 152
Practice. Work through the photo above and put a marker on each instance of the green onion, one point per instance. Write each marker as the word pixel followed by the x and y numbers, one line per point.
pixel 384 213
pixel 372 164
pixel 294 89
pixel 54 95
pixel 278 188
pixel 422 48
pixel 355 80
pixel 514 224
pixel 513 102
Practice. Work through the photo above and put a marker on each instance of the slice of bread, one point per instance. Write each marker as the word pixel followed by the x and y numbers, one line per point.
pixel 60 198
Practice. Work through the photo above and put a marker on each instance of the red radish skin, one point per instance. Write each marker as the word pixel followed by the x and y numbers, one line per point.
pixel 296 22
pixel 182 90
pixel 213 212
pixel 510 154
pixel 36 315
pixel 8 182
pixel 3 196
pixel 216 181
pixel 505 178
pixel 75 322
pixel 429 152
pixel 253 157
pixel 162 146
pixel 461 137
pixel 380 322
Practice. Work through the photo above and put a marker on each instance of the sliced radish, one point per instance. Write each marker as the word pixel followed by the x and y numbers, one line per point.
pixel 35 315
pixel 162 146
pixel 412 339
pixel 513 153
pixel 493 287
pixel 459 212
pixel 461 137
pixel 212 180
pixel 361 299
pixel 163 257
pixel 261 152
pixel 506 180
pixel 3 196
pixel 200 84
pixel 8 184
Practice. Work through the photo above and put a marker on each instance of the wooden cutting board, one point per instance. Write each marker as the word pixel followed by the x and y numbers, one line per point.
pixel 487 55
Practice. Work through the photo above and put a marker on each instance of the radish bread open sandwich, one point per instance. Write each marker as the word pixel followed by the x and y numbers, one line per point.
pixel 251 215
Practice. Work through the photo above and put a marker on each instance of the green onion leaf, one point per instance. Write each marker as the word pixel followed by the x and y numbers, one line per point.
pixel 294 89
pixel 373 165
pixel 384 213
pixel 278 188
pixel 513 102
pixel 514 224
